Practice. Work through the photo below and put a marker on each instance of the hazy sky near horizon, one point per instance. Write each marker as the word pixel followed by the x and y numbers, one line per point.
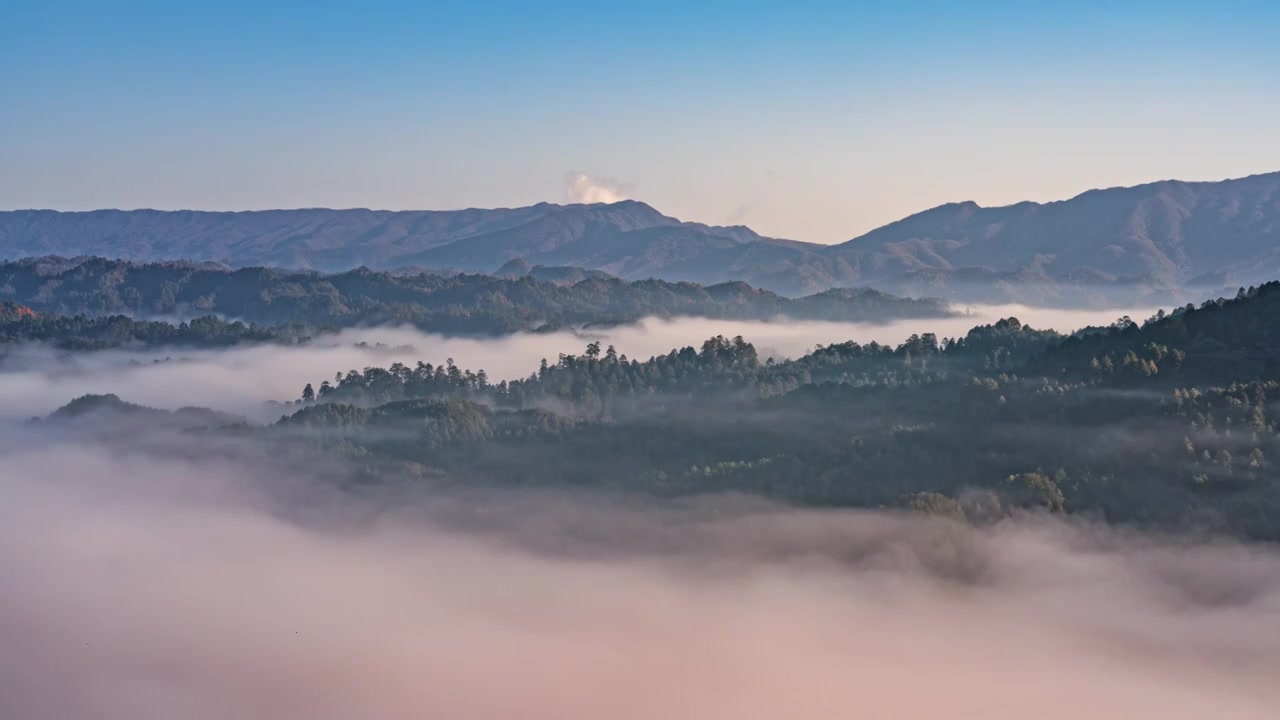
pixel 815 121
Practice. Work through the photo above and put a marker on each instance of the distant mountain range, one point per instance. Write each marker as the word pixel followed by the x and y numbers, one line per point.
pixel 1150 240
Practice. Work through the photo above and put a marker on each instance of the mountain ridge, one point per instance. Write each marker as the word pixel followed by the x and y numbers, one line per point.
pixel 1168 230
pixel 1147 240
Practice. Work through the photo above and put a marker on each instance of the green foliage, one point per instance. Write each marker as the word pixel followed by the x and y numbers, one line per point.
pixel 936 504
pixel 1221 339
pixel 1033 490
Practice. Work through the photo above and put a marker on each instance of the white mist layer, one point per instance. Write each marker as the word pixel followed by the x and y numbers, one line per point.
pixel 152 588
pixel 239 380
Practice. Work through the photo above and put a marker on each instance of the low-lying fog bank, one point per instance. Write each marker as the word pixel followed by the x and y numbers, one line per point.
pixel 35 381
pixel 151 586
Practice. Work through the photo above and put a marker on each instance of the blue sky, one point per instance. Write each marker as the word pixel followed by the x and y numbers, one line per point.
pixel 810 120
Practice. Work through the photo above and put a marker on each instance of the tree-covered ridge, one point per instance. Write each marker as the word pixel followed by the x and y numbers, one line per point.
pixel 600 379
pixel 1176 460
pixel 464 304
pixel 1005 417
pixel 1238 337
pixel 124 417
pixel 81 332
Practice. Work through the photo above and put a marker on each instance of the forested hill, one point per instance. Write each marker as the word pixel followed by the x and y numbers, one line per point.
pixel 100 332
pixel 1171 423
pixel 1003 418
pixel 464 304
pixel 1220 339
pixel 1221 342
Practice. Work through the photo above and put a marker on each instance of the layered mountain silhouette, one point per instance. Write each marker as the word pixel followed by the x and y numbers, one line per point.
pixel 1160 235
pixel 1149 239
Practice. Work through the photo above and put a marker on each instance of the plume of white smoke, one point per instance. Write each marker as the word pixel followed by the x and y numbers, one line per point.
pixel 582 188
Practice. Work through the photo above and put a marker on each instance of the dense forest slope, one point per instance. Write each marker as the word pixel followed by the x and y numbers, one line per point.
pixel 100 332
pixel 1105 245
pixel 1172 423
pixel 1005 417
pixel 470 304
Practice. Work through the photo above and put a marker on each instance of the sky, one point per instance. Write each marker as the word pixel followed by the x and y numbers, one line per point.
pixel 806 120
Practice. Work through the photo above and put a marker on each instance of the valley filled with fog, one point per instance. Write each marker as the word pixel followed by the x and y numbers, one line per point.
pixel 998 511
pixel 176 578
pixel 35 380
pixel 639 361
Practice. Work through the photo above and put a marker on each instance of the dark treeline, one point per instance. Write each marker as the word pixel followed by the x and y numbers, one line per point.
pixel 600 381
pixel 1005 417
pixel 1237 337
pixel 19 324
pixel 461 304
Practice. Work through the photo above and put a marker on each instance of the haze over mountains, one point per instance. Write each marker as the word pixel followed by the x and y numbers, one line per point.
pixel 1146 240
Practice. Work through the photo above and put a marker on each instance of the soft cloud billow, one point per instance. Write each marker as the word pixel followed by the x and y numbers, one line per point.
pixel 582 188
